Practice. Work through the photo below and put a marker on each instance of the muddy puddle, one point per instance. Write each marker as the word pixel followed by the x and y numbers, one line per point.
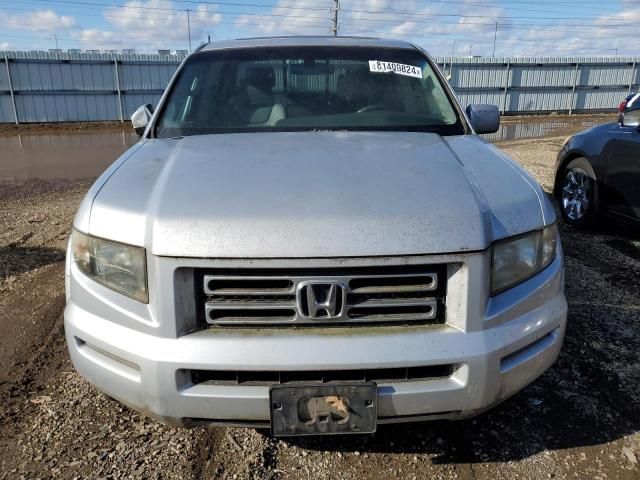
pixel 49 156
pixel 72 155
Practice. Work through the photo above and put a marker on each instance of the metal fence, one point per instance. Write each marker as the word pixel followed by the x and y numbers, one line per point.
pixel 538 85
pixel 58 87
pixel 64 87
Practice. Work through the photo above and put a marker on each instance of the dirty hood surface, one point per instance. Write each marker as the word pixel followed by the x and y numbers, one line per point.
pixel 314 194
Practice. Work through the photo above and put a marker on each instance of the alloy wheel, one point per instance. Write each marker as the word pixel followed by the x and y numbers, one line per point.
pixel 575 193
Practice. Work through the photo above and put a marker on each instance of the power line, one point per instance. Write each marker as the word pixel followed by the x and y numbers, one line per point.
pixel 196 20
pixel 422 14
pixel 479 39
pixel 579 3
pixel 313 21
pixel 194 2
pixel 368 12
pixel 109 15
pixel 511 24
pixel 71 39
pixel 533 26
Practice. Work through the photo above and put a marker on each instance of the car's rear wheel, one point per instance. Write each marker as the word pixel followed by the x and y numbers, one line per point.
pixel 578 193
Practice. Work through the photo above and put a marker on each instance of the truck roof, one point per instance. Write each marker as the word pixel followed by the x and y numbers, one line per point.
pixel 306 41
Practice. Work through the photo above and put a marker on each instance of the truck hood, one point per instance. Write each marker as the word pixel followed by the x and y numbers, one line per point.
pixel 313 194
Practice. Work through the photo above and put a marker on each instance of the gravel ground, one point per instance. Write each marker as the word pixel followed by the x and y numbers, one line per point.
pixel 579 420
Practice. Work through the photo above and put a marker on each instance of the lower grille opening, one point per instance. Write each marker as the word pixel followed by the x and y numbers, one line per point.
pixel 419 416
pixel 205 422
pixel 274 377
pixel 257 377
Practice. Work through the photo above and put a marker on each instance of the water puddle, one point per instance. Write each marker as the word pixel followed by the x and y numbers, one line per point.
pixel 50 156
pixel 56 155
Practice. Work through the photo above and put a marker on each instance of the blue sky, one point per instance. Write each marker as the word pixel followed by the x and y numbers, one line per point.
pixel 443 27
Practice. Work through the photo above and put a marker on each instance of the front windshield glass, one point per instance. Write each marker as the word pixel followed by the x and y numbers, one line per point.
pixel 307 88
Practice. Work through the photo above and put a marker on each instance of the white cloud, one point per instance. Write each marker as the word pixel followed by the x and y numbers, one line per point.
pixel 599 38
pixel 287 21
pixel 151 24
pixel 5 46
pixel 629 14
pixel 148 25
pixel 435 27
pixel 36 21
pixel 94 36
pixel 403 28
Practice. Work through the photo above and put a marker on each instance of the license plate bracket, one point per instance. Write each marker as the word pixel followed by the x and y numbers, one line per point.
pixel 327 409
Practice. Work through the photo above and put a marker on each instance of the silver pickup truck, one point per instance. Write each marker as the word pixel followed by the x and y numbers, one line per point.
pixel 310 235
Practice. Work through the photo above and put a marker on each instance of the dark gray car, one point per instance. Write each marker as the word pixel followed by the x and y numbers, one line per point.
pixel 599 171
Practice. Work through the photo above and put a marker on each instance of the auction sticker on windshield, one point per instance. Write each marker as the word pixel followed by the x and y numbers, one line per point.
pixel 399 68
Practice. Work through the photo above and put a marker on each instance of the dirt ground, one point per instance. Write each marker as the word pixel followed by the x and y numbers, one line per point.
pixel 63 127
pixel 579 420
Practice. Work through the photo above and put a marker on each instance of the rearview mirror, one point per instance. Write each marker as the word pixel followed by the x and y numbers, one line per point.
pixel 141 118
pixel 484 118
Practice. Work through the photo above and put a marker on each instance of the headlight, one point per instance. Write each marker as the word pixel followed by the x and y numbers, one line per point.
pixel 516 259
pixel 120 267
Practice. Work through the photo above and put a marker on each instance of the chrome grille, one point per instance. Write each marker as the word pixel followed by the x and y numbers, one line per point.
pixel 364 295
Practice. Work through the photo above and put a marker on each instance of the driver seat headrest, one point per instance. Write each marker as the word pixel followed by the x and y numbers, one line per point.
pixel 262 78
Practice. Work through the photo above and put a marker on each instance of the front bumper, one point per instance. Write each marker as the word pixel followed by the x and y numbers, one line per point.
pixel 521 337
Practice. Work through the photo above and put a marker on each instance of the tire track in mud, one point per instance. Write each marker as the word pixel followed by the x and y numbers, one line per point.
pixel 237 453
pixel 33 367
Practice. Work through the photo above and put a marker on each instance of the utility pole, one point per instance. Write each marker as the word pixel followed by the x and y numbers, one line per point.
pixel 55 36
pixel 453 54
pixel 189 28
pixel 334 28
pixel 495 34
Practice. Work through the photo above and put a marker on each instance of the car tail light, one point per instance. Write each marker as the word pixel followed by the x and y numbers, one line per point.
pixel 622 106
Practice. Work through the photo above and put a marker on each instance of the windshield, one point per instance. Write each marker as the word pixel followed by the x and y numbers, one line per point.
pixel 307 88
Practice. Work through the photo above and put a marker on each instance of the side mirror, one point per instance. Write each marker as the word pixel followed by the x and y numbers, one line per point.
pixel 630 118
pixel 484 118
pixel 141 118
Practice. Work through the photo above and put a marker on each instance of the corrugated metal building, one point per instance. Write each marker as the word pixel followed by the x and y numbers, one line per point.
pixel 56 87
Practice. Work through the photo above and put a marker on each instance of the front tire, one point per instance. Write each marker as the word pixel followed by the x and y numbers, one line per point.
pixel 578 194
